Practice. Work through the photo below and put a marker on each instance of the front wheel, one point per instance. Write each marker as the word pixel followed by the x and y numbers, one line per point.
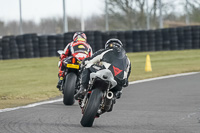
pixel 69 88
pixel 91 108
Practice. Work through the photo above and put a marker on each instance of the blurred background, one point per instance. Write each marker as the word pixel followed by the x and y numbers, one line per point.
pixel 38 28
pixel 46 16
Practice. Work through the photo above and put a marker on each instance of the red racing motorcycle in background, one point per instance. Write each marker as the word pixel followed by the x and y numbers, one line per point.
pixel 72 73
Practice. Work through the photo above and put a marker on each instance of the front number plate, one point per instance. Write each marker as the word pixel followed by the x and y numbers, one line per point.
pixel 72 66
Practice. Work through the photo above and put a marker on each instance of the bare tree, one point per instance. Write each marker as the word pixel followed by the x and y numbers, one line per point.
pixel 121 12
pixel 2 28
pixel 12 28
pixel 194 9
pixel 95 23
pixel 142 17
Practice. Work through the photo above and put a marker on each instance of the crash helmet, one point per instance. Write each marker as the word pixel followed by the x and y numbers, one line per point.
pixel 79 36
pixel 111 43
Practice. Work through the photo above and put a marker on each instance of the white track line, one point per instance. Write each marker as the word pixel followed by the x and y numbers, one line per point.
pixel 163 77
pixel 58 100
pixel 30 105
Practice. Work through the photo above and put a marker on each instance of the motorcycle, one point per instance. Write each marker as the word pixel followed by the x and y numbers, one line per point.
pixel 99 97
pixel 72 71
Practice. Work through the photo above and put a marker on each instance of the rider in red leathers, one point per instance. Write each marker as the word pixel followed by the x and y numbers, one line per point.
pixel 78 48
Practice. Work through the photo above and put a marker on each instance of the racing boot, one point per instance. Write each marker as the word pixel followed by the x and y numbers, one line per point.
pixel 60 82
pixel 81 93
pixel 118 94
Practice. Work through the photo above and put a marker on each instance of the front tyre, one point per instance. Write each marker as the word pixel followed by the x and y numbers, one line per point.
pixel 69 88
pixel 91 108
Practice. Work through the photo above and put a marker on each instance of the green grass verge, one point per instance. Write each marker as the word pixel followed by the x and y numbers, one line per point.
pixel 25 81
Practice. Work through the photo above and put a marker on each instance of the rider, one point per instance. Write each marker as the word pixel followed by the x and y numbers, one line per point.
pixel 114 58
pixel 78 44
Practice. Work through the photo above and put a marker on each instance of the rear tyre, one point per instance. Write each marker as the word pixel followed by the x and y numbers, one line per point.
pixel 91 108
pixel 69 89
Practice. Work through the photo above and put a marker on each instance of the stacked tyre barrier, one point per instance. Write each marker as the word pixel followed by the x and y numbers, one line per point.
pixel 14 52
pixel 143 40
pixel 33 45
pixel 187 38
pixel 52 45
pixel 105 37
pixel 91 39
pixel 9 48
pixel 21 46
pixel 195 37
pixel 59 43
pixel 68 37
pixel 35 42
pixel 121 37
pixel 173 38
pixel 129 41
pixel 5 48
pixel 166 39
pixel 151 40
pixel 29 53
pixel 1 57
pixel 98 43
pixel 158 40
pixel 180 35
pixel 43 46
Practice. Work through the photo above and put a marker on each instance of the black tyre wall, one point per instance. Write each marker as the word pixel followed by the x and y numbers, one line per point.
pixel 21 46
pixel 166 39
pixel 180 35
pixel 98 43
pixel 158 40
pixel 105 38
pixel 151 40
pixel 35 42
pixel 68 37
pixel 28 45
pixel 144 41
pixel 52 45
pixel 91 39
pixel 1 56
pixel 121 37
pixel 129 41
pixel 173 39
pixel 43 46
pixel 136 46
pixel 195 37
pixel 5 47
pixel 187 37
pixel 14 52
pixel 59 43
pixel 32 45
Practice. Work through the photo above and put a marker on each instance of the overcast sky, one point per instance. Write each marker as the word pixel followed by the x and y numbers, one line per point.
pixel 37 9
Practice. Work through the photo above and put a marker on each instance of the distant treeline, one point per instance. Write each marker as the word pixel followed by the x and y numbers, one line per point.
pixel 122 15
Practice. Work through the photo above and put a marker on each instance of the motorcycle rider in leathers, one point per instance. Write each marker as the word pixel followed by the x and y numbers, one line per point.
pixel 78 43
pixel 114 58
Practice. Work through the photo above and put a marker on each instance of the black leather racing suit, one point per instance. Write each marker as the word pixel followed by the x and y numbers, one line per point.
pixel 114 59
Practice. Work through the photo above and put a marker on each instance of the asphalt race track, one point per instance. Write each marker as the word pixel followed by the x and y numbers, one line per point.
pixel 169 105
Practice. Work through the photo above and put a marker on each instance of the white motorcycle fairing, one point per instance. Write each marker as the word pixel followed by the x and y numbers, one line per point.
pixel 104 74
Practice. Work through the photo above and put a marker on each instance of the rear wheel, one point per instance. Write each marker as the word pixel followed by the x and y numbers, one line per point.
pixel 69 89
pixel 91 108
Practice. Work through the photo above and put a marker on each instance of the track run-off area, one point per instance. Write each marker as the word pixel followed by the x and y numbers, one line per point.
pixel 169 104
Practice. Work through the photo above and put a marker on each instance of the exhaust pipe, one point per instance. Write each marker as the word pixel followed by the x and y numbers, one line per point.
pixel 109 95
pixel 108 100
